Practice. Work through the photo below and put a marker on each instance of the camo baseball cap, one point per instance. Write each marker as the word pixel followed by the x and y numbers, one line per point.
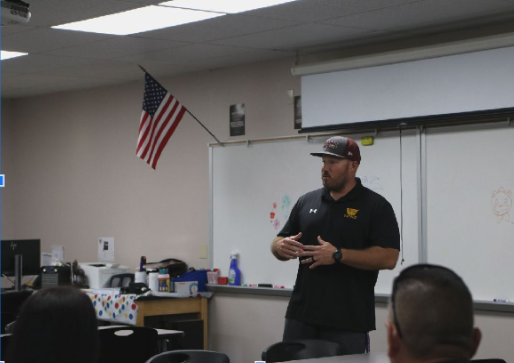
pixel 341 147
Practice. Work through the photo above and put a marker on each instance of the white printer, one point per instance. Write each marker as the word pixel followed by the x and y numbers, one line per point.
pixel 99 273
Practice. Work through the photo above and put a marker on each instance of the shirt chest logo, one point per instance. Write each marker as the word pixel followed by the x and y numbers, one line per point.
pixel 313 211
pixel 351 213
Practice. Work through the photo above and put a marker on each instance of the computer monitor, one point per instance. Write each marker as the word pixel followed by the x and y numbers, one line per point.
pixel 30 252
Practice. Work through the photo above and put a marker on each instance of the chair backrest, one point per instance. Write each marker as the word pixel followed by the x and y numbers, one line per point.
pixel 134 344
pixel 12 301
pixel 4 345
pixel 300 349
pixel 491 360
pixel 6 319
pixel 121 280
pixel 190 356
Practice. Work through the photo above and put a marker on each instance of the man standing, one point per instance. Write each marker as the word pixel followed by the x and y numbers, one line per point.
pixel 431 317
pixel 343 235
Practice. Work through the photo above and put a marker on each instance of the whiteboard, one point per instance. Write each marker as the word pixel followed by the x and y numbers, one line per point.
pixel 254 187
pixel 470 220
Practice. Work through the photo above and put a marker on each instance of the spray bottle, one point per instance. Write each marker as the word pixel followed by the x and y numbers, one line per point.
pixel 234 275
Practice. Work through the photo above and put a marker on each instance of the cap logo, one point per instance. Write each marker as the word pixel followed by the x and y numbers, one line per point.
pixel 330 144
pixel 350 153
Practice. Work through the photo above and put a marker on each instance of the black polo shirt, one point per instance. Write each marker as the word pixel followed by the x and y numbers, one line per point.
pixel 338 295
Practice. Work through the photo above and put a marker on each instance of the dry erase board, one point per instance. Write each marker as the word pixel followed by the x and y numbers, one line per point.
pixel 255 185
pixel 470 219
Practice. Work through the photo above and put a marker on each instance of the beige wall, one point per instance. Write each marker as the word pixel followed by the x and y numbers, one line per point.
pixel 244 325
pixel 72 176
pixel 78 177
pixel 7 194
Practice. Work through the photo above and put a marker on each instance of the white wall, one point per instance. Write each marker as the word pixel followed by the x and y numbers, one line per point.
pixel 77 178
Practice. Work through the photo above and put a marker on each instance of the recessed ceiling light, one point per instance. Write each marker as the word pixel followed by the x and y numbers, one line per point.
pixel 139 20
pixel 225 6
pixel 8 55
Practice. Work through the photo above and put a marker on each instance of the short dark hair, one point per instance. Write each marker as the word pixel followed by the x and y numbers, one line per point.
pixel 57 325
pixel 433 311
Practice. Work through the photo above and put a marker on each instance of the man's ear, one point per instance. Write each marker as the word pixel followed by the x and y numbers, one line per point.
pixel 477 337
pixel 393 340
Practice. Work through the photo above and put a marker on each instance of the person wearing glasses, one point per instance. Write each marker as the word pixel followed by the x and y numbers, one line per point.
pixel 343 234
pixel 431 317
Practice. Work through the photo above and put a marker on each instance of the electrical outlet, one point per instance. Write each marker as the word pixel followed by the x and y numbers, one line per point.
pixel 204 252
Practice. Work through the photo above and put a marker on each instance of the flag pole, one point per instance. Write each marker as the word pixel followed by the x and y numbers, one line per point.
pixel 193 116
pixel 206 129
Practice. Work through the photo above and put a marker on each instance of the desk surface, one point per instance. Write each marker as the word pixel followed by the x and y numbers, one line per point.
pixel 162 333
pixel 355 358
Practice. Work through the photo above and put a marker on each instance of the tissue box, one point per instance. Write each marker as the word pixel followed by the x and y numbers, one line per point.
pixel 186 287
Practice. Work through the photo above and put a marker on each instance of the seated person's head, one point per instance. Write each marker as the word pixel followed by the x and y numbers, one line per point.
pixel 55 325
pixel 430 316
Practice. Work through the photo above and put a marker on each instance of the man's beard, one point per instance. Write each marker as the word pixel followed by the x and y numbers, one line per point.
pixel 334 185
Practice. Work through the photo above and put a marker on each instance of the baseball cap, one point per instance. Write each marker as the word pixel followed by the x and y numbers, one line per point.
pixel 341 147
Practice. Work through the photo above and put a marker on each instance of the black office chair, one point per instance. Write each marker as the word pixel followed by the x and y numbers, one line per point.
pixel 11 304
pixel 189 356
pixel 130 344
pixel 7 318
pixel 121 280
pixel 300 349
pixel 4 345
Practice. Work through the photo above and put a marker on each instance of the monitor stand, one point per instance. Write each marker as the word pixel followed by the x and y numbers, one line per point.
pixel 18 264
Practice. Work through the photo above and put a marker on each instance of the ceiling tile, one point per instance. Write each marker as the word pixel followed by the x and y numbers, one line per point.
pixel 115 47
pixel 296 37
pixel 313 11
pixel 228 26
pixel 56 12
pixel 36 62
pixel 107 70
pixel 43 39
pixel 186 54
pixel 422 13
pixel 63 60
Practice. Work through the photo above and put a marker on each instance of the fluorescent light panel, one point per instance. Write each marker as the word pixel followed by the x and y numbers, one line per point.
pixel 139 20
pixel 8 55
pixel 224 6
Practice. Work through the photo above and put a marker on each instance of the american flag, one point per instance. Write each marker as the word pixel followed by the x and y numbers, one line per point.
pixel 161 115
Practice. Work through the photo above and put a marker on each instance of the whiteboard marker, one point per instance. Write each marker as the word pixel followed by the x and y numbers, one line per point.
pixel 266 285
pixel 501 300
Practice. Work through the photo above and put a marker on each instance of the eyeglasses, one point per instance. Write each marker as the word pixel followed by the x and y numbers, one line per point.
pixel 411 273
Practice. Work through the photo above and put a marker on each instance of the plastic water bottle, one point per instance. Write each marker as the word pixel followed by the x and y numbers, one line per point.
pixel 234 275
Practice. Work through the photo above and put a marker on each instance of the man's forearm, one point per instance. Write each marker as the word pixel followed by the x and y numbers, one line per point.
pixel 373 258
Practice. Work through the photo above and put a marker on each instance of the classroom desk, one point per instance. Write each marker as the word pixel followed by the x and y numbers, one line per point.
pixel 131 309
pixel 355 358
pixel 152 306
pixel 163 335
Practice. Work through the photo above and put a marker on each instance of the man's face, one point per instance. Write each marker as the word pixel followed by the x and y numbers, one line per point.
pixel 335 173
